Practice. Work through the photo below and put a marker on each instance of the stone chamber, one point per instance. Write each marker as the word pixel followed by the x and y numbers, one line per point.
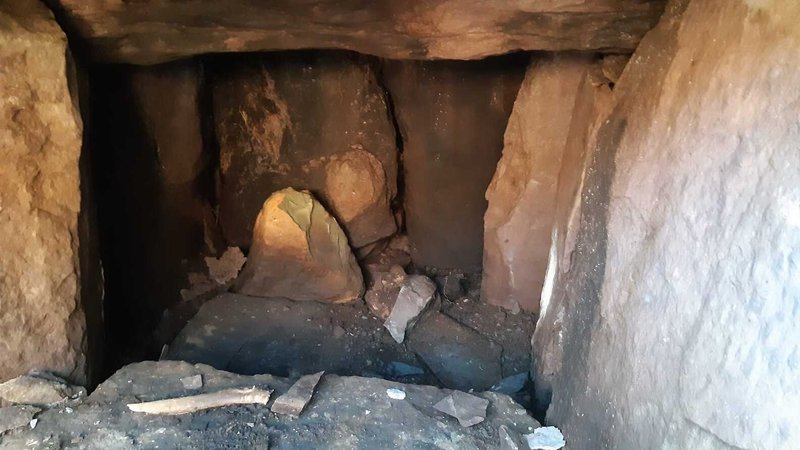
pixel 583 215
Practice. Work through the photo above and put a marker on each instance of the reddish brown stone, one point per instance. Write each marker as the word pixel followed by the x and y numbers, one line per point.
pixel 452 116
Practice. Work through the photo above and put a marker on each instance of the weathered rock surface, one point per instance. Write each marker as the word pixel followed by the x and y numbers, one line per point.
pixel 384 288
pixel 413 298
pixel 591 105
pixel 337 417
pixel 452 115
pixel 299 252
pixel 468 409
pixel 522 195
pixel 682 298
pixel 458 356
pixel 256 335
pixel 16 416
pixel 316 121
pixel 153 31
pixel 42 310
pixel 154 186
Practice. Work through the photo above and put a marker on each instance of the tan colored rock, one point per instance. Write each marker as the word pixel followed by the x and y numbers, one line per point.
pixel 315 121
pixel 39 390
pixel 151 31
pixel 522 195
pixel 452 115
pixel 42 319
pixel 299 252
pixel 680 305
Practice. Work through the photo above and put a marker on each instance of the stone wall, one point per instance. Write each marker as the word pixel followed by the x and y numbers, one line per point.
pixel 42 315
pixel 679 309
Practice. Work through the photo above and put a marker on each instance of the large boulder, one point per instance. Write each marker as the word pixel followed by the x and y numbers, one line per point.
pixel 452 115
pixel 522 194
pixel 43 312
pixel 681 305
pixel 316 121
pixel 152 31
pixel 299 252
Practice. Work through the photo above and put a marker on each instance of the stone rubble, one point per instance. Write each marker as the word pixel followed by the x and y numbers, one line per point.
pixel 39 389
pixel 16 416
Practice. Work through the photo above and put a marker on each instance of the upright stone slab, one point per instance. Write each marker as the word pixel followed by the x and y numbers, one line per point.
pixel 452 115
pixel 155 187
pixel 522 195
pixel 315 121
pixel 682 327
pixel 42 319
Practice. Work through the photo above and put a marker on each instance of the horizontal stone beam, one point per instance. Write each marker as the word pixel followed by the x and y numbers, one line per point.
pixel 155 31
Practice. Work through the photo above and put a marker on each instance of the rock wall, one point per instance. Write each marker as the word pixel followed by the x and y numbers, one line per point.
pixel 522 194
pixel 155 179
pixel 452 116
pixel 680 330
pixel 315 121
pixel 42 316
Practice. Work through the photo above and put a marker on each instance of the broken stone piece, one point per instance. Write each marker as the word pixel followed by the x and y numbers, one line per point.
pixel 39 390
pixel 546 438
pixel 193 382
pixel 467 408
pixel 16 416
pixel 297 397
pixel 511 440
pixel 226 268
pixel 299 252
pixel 415 295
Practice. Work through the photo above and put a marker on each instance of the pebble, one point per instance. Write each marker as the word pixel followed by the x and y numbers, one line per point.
pixel 396 394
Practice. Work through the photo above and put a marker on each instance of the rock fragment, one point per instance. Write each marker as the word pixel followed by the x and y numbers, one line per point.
pixel 510 440
pixel 415 295
pixel 545 438
pixel 299 252
pixel 396 394
pixel 468 409
pixel 226 268
pixel 297 397
pixel 16 416
pixel 39 389
pixel 511 384
pixel 384 288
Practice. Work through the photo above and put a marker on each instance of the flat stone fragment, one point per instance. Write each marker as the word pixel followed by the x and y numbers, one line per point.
pixel 38 390
pixel 299 252
pixel 16 416
pixel 415 295
pixel 468 409
pixel 297 397
pixel 226 267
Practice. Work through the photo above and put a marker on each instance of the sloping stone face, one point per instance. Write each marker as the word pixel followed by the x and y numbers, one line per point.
pixel 685 334
pixel 452 115
pixel 42 321
pixel 522 195
pixel 300 252
pixel 153 31
pixel 316 121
